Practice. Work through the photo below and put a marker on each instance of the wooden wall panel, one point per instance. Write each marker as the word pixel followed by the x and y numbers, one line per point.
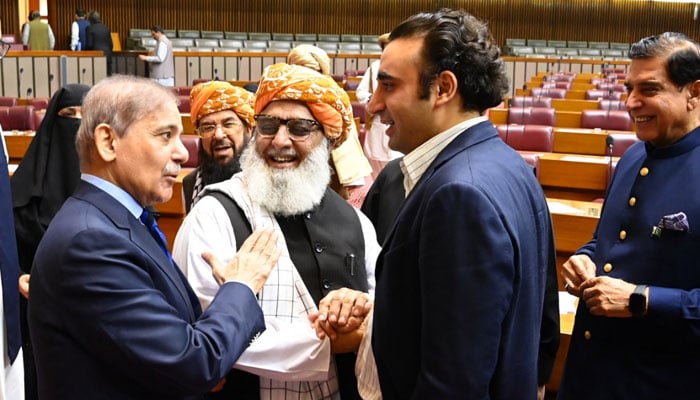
pixel 590 20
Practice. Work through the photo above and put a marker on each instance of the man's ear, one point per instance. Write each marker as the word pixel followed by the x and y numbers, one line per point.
pixel 447 86
pixel 694 95
pixel 106 142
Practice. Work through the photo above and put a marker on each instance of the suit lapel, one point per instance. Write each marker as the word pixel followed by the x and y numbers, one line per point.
pixel 469 137
pixel 139 235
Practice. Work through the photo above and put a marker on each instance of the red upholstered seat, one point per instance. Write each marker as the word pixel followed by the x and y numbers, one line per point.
pixel 39 103
pixel 6 101
pixel 557 84
pixel 606 119
pixel 616 87
pixel 359 111
pixel 555 93
pixel 595 94
pixel 622 141
pixel 612 105
pixel 538 138
pixel 19 118
pixel 531 116
pixel 191 143
pixel 184 103
pixel 529 101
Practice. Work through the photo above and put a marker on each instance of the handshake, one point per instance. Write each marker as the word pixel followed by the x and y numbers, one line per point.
pixel 342 317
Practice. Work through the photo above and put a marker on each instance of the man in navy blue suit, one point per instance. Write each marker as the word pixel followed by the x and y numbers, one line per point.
pixel 462 274
pixel 110 315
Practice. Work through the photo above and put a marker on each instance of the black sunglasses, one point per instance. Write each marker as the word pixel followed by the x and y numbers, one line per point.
pixel 298 128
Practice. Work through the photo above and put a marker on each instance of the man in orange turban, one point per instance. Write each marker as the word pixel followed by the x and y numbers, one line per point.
pixel 300 115
pixel 222 115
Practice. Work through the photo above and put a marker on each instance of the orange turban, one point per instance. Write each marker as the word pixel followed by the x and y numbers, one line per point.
pixel 328 103
pixel 214 96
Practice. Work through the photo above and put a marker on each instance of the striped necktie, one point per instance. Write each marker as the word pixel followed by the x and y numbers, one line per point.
pixel 150 222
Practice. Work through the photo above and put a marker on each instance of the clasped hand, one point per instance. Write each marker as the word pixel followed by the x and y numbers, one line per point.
pixel 341 317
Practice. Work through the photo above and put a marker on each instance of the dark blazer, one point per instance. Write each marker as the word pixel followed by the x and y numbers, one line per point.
pixel 111 318
pixel 461 278
pixel 99 37
pixel 384 198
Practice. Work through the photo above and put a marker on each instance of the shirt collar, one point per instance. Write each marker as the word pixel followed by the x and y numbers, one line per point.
pixel 415 163
pixel 116 192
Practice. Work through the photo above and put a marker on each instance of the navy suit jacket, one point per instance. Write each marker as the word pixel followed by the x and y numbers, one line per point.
pixel 111 318
pixel 461 278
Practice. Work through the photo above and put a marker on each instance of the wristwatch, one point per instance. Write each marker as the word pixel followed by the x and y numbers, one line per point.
pixel 638 301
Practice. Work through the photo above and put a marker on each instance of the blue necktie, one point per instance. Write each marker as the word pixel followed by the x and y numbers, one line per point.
pixel 9 264
pixel 157 234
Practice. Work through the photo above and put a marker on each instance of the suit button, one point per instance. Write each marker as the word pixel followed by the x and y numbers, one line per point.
pixel 633 201
pixel 326 284
pixel 307 215
pixel 319 247
pixel 623 235
pixel 644 171
pixel 607 267
pixel 587 335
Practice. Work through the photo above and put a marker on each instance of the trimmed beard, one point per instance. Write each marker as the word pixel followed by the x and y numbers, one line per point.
pixel 213 171
pixel 289 191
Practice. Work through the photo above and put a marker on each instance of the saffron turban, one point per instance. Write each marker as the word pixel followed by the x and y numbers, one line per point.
pixel 310 56
pixel 328 102
pixel 214 96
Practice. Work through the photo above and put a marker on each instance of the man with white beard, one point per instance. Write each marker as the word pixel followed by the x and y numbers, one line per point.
pixel 301 116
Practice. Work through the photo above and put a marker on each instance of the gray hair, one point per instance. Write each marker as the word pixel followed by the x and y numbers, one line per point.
pixel 118 101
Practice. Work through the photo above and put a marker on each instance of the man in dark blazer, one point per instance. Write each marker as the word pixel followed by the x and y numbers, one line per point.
pixel 99 37
pixel 110 315
pixel 462 274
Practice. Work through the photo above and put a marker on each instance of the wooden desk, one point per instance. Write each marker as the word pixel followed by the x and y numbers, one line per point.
pixel 580 141
pixel 575 104
pixel 17 144
pixel 574 171
pixel 574 222
pixel 172 212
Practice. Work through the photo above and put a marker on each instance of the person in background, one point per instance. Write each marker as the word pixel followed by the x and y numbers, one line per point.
pixel 161 64
pixel 327 244
pixel 222 115
pixel 77 30
pixel 12 376
pixel 110 314
pixel 637 328
pixel 376 143
pixel 352 168
pixel 37 35
pixel 473 237
pixel 99 38
pixel 47 175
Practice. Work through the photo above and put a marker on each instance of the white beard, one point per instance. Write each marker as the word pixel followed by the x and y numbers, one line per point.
pixel 289 191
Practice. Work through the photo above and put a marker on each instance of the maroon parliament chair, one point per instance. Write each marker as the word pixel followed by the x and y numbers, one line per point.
pixel 555 93
pixel 19 118
pixel 621 141
pixel 612 105
pixel 531 116
pixel 39 103
pixel 183 104
pixel 606 119
pixel 616 87
pixel 191 143
pixel 6 101
pixel 359 110
pixel 596 94
pixel 529 140
pixel 556 85
pixel 529 101
pixel 351 85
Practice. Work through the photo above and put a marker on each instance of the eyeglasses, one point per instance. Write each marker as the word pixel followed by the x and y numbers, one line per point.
pixel 298 129
pixel 208 130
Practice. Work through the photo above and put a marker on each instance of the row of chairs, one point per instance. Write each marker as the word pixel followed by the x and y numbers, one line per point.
pixel 611 118
pixel 250 45
pixel 20 118
pixel 566 52
pixel 135 36
pixel 576 44
pixel 39 103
